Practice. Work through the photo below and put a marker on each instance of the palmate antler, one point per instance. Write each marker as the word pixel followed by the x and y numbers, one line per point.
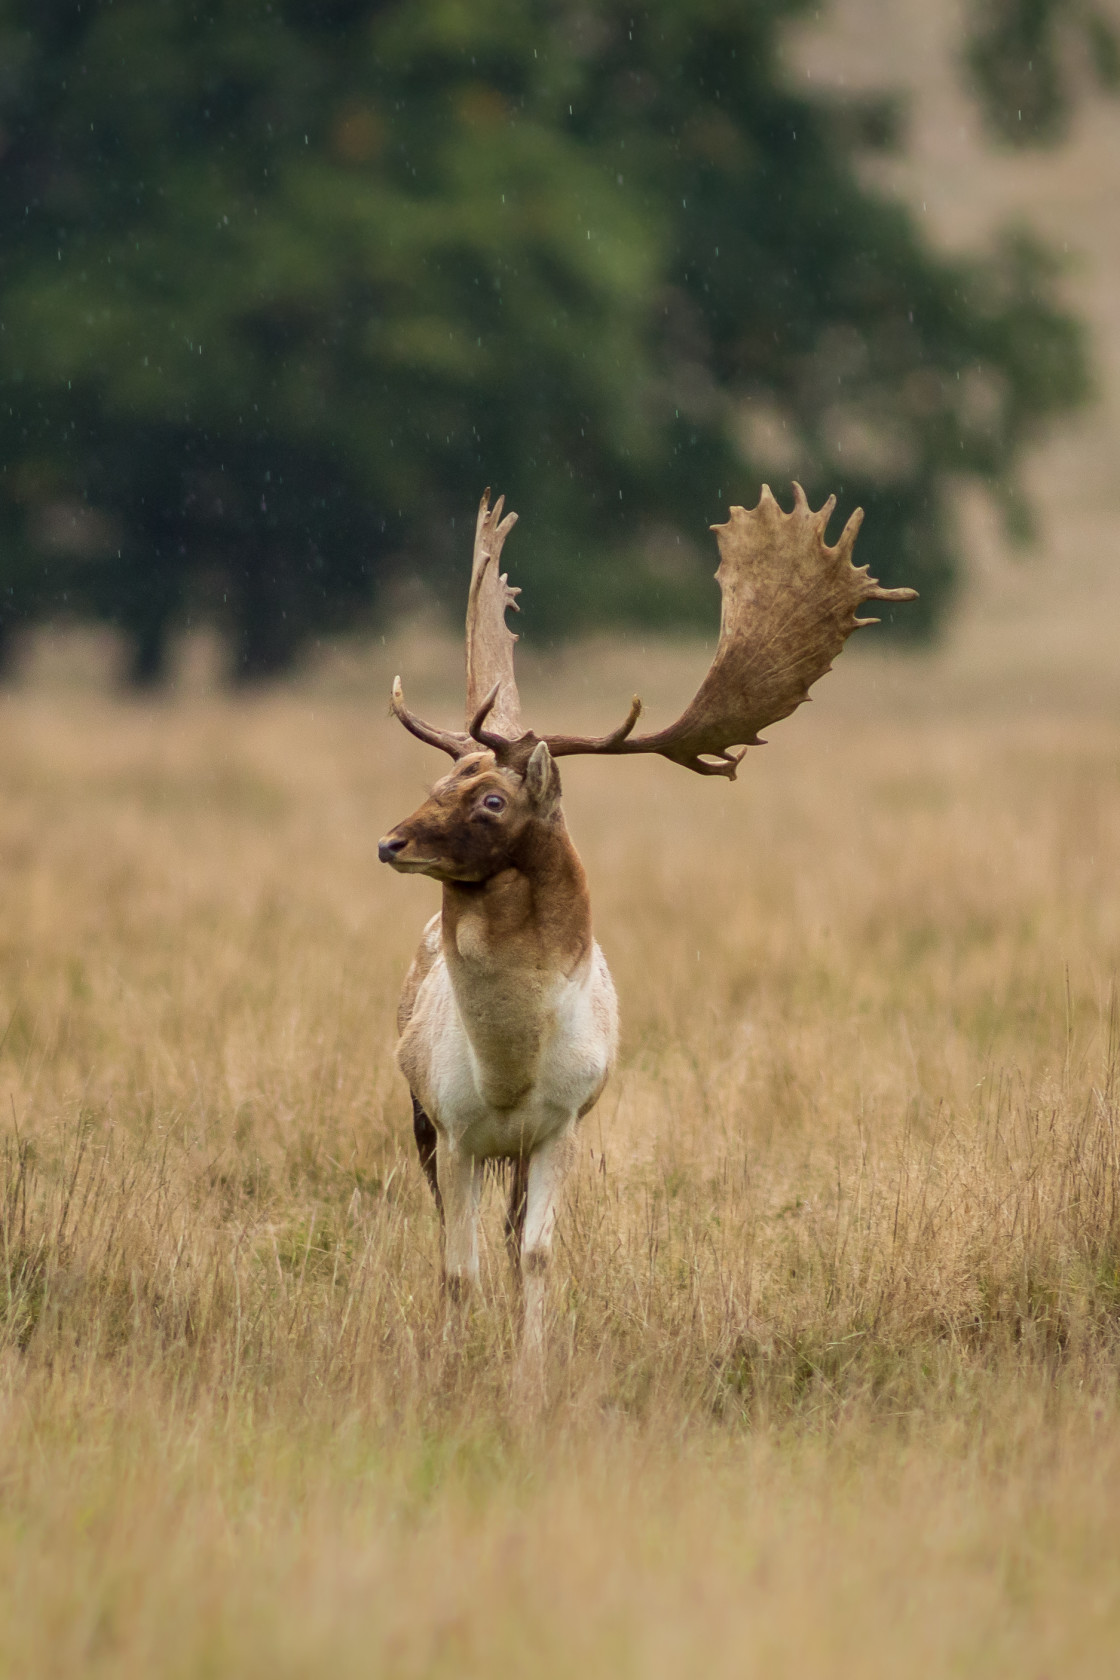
pixel 491 685
pixel 789 605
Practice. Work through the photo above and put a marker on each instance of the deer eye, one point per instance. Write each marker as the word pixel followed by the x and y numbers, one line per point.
pixel 494 802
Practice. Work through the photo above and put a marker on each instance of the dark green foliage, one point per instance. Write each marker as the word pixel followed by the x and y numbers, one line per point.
pixel 1027 57
pixel 283 286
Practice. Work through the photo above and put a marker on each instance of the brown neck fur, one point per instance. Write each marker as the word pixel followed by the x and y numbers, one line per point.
pixel 535 914
pixel 506 942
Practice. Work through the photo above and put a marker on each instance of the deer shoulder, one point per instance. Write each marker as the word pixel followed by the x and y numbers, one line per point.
pixel 418 970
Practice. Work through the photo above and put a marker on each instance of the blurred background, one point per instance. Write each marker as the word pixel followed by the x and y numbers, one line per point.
pixel 284 285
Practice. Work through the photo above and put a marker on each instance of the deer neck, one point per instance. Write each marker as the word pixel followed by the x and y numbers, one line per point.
pixel 509 944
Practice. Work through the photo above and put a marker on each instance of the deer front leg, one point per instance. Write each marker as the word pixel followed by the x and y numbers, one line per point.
pixel 460 1180
pixel 548 1168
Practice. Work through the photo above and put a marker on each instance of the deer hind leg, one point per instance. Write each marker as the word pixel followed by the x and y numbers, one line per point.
pixel 515 1214
pixel 547 1170
pixel 425 1134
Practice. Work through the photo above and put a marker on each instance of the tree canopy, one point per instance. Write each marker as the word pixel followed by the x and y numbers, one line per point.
pixel 284 285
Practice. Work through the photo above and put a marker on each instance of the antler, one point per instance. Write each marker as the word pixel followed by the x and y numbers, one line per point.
pixel 789 605
pixel 491 687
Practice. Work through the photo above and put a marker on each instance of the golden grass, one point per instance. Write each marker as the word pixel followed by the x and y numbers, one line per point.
pixel 837 1308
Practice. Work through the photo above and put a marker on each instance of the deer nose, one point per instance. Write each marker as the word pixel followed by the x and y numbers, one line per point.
pixel 387 850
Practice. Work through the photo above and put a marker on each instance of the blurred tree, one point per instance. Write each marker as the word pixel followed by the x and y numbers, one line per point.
pixel 283 285
pixel 1029 59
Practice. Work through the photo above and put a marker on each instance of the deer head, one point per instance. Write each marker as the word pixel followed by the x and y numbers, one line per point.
pixel 789 605
pixel 478 820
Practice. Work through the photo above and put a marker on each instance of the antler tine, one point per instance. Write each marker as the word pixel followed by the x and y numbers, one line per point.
pixel 564 746
pixel 446 740
pixel 501 528
pixel 728 765
pixel 875 593
pixel 823 514
pixel 847 538
pixel 475 729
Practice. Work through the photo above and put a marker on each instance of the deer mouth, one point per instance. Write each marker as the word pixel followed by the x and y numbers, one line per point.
pixel 412 866
pixel 406 865
pixel 392 850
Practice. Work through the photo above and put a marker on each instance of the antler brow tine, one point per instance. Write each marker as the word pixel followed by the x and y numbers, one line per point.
pixel 447 741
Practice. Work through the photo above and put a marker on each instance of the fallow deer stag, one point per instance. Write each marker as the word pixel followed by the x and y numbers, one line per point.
pixel 508 1020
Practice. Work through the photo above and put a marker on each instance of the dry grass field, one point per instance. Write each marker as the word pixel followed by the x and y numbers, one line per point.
pixel 835 1378
pixel 834 1382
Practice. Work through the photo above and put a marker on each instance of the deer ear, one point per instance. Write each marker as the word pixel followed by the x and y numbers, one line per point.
pixel 542 780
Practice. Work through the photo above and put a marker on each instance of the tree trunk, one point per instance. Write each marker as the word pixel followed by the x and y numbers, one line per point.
pixel 268 624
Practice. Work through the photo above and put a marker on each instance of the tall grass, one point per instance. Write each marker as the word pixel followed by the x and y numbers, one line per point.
pixel 836 1317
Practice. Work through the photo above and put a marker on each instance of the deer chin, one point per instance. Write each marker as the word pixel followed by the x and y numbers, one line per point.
pixel 438 870
pixel 415 866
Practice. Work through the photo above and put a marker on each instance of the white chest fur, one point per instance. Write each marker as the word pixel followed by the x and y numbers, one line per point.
pixel 501 1058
